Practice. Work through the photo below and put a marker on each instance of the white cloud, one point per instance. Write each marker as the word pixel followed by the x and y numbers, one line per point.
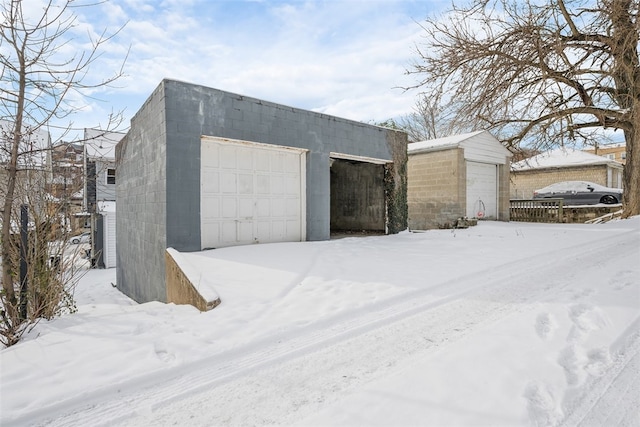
pixel 342 58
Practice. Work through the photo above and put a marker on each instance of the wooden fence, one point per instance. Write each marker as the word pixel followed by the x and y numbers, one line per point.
pixel 538 210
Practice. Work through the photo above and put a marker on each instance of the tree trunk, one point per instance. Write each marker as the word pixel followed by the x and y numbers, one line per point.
pixel 12 172
pixel 631 195
pixel 626 73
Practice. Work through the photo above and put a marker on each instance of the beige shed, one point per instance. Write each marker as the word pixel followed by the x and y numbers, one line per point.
pixel 458 176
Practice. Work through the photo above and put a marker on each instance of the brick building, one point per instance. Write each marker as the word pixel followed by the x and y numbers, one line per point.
pixel 458 176
pixel 617 152
pixel 562 165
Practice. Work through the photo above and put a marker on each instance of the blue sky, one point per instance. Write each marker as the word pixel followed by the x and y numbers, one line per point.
pixel 340 57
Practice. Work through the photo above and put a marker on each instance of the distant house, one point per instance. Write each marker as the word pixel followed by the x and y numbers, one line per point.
pixel 562 165
pixel 99 167
pixel 458 176
pixel 66 186
pixel 617 152
pixel 34 166
pixel 203 168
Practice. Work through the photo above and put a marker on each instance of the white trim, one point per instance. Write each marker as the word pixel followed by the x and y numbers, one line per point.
pixel 303 196
pixel 252 143
pixel 365 159
pixel 300 152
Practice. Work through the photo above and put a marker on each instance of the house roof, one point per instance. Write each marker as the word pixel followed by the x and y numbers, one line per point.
pixel 562 157
pixel 100 144
pixel 442 143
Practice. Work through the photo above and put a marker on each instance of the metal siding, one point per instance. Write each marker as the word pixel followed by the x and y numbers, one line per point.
pixel 485 148
pixel 109 224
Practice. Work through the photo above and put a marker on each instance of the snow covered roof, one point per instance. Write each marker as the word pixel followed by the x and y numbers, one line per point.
pixel 442 143
pixel 479 146
pixel 562 157
pixel 100 144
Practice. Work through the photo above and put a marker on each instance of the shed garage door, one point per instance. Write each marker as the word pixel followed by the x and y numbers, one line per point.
pixel 482 190
pixel 250 193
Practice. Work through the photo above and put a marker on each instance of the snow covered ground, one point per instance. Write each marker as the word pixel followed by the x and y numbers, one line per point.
pixel 499 324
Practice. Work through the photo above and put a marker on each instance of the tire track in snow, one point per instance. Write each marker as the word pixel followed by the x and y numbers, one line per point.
pixel 614 398
pixel 451 317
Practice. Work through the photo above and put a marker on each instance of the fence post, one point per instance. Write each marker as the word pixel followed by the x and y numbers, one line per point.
pixel 24 241
pixel 561 211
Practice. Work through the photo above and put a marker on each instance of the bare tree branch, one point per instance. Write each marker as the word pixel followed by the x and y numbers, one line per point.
pixel 541 74
pixel 36 84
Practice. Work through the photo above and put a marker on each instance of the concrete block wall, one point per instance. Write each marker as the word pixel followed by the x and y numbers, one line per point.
pixel 436 188
pixel 194 110
pixel 504 209
pixel 140 198
pixel 524 183
pixel 158 164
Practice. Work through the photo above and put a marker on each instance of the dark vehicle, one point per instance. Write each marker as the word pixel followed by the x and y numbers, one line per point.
pixel 580 193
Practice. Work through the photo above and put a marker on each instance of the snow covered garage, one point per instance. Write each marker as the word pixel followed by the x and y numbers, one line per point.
pixel 458 176
pixel 202 168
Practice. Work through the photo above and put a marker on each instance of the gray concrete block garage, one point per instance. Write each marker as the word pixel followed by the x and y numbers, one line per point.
pixel 203 168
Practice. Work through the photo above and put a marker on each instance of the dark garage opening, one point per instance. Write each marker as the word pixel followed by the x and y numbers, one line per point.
pixel 357 198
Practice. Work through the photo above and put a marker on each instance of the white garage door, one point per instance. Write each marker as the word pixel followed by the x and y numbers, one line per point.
pixel 109 224
pixel 482 190
pixel 250 193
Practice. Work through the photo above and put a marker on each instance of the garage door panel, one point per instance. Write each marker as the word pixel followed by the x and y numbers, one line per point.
pixel 264 231
pixel 250 193
pixel 227 157
pixel 277 162
pixel 245 183
pixel 292 229
pixel 263 185
pixel 228 183
pixel 228 232
pixel 292 185
pixel 277 208
pixel 210 156
pixel 262 162
pixel 482 193
pixel 246 208
pixel 263 208
pixel 212 178
pixel 229 207
pixel 211 232
pixel 244 158
pixel 292 208
pixel 210 207
pixel 277 185
pixel 245 231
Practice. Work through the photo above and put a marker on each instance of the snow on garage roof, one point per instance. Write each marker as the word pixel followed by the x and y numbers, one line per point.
pixel 441 143
pixel 562 157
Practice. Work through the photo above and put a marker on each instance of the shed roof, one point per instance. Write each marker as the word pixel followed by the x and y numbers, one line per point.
pixel 562 157
pixel 442 143
pixel 479 146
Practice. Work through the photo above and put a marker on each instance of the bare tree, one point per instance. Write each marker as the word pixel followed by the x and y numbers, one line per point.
pixel 41 73
pixel 543 74
pixel 434 118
